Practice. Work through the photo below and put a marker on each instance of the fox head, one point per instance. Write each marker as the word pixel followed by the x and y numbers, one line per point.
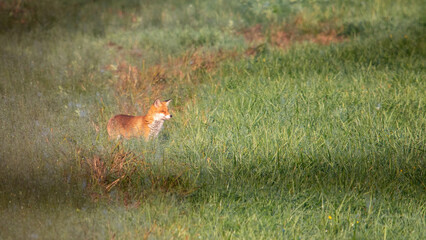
pixel 160 110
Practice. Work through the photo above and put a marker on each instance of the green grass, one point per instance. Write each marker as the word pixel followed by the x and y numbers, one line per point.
pixel 310 142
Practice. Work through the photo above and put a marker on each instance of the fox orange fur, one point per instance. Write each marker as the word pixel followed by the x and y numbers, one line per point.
pixel 148 126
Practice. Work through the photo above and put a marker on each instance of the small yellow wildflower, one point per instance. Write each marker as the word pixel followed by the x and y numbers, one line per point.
pixel 329 217
pixel 357 221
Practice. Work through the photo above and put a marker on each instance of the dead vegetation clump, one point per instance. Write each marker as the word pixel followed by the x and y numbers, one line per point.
pixel 106 173
pixel 254 34
pixel 284 39
pixel 285 36
pixel 122 176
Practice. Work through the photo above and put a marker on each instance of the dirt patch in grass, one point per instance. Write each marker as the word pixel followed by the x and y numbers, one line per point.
pixel 284 39
pixel 284 36
pixel 254 34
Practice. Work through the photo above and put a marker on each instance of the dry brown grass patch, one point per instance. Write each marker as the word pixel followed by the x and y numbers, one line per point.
pixel 107 173
pixel 284 36
pixel 123 177
pixel 284 39
pixel 254 34
pixel 136 87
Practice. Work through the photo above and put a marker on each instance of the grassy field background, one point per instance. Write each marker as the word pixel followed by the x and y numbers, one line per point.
pixel 292 119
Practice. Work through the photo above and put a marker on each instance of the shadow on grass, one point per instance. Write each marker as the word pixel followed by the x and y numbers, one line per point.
pixel 320 175
pixel 25 16
pixel 124 178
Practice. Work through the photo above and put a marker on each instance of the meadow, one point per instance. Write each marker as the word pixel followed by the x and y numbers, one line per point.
pixel 291 119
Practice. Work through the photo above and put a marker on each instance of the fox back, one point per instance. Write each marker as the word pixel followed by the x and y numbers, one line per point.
pixel 148 126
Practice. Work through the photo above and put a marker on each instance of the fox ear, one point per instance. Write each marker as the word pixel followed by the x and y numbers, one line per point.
pixel 157 103
pixel 167 102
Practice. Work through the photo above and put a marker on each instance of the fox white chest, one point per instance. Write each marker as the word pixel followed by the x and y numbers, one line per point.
pixel 155 128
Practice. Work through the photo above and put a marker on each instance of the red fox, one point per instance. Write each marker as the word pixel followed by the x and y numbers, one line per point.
pixel 148 126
